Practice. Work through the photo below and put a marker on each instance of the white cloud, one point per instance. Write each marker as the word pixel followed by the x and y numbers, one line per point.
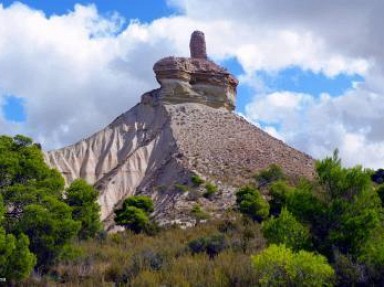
pixel 78 71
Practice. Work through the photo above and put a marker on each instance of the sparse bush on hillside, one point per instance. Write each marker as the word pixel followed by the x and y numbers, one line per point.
pixel 181 187
pixel 134 214
pixel 211 189
pixel 198 213
pixel 197 180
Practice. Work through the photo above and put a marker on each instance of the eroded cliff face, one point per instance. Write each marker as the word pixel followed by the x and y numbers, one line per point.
pixel 151 149
pixel 118 158
pixel 185 127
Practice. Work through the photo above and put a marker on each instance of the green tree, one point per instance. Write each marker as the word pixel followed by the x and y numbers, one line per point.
pixel 279 266
pixel 140 201
pixel 32 195
pixel 82 197
pixel 271 174
pixel 16 261
pixel 286 230
pixel 251 203
pixel 279 192
pixel 50 228
pixel 134 213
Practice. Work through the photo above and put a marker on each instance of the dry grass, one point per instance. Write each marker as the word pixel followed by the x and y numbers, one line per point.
pixel 127 259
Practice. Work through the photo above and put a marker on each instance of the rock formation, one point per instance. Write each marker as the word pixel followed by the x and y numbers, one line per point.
pixel 185 127
pixel 195 79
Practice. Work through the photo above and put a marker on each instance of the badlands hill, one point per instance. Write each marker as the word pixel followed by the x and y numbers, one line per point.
pixel 185 127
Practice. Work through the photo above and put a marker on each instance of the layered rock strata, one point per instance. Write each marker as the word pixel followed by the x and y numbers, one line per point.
pixel 196 79
pixel 184 128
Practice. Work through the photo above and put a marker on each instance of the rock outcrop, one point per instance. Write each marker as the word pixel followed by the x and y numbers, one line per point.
pixel 183 128
pixel 196 79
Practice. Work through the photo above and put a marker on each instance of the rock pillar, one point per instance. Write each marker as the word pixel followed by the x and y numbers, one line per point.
pixel 197 45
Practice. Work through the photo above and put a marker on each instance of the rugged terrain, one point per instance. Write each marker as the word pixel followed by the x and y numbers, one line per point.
pixel 184 128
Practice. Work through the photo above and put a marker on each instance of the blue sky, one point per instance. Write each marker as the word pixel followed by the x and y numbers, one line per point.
pixel 290 79
pixel 310 79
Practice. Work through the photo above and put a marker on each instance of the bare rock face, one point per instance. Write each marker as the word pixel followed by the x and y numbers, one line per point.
pixel 195 79
pixel 183 128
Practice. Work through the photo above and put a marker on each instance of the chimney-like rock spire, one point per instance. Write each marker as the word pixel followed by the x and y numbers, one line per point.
pixel 197 45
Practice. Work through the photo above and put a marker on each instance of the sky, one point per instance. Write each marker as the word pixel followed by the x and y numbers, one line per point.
pixel 311 72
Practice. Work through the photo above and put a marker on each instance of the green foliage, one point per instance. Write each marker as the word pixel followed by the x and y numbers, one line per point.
pixel 82 198
pixel 16 261
pixel 211 189
pixel 286 230
pixel 181 187
pixel 32 194
pixel 134 214
pixel 380 193
pixel 271 174
pixel 279 266
pixel 251 203
pixel 279 192
pixel 372 256
pixel 132 218
pixel 142 202
pixel 198 213
pixel 49 226
pixel 197 180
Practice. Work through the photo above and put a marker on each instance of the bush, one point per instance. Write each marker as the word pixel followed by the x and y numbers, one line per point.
pixel 134 214
pixel 286 230
pixel 279 192
pixel 198 213
pixel 211 245
pixel 211 189
pixel 269 175
pixel 279 266
pixel 142 202
pixel 251 203
pixel 181 187
pixel 197 180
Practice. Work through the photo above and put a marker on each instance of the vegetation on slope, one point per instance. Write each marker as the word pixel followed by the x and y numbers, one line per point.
pixel 325 232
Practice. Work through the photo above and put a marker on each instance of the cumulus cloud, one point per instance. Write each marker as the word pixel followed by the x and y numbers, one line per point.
pixel 78 71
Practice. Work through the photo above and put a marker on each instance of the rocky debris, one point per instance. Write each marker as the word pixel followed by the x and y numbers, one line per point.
pixel 195 79
pixel 182 129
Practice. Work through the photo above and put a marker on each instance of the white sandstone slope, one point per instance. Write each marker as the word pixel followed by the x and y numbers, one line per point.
pixel 186 127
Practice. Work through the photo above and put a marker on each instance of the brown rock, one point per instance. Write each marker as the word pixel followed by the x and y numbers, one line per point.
pixel 197 45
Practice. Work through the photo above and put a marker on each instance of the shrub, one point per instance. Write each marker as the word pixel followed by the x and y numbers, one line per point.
pixel 181 187
pixel 134 214
pixel 251 203
pixel 380 192
pixel 279 192
pixel 279 266
pixel 198 213
pixel 197 180
pixel 211 189
pixel 269 175
pixel 142 202
pixel 286 230
pixel 211 245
